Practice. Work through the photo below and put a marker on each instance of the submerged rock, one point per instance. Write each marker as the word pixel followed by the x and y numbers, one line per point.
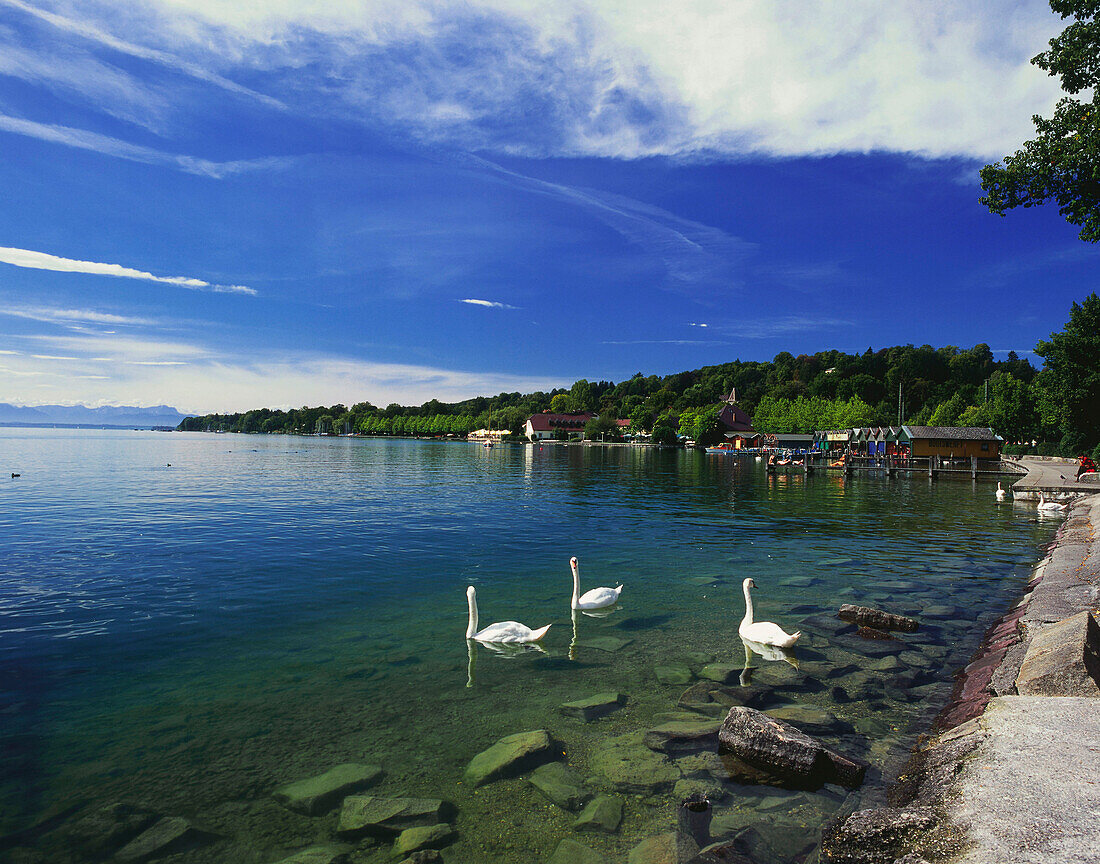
pixel 571 852
pixel 865 616
pixel 101 831
pixel 723 673
pixel 385 817
pixel 320 854
pixel 811 719
pixel 561 785
pixel 629 766
pixel 880 835
pixel 603 813
pixel 318 795
pixel 682 736
pixel 674 673
pixel 166 836
pixel 511 756
pixel 423 837
pixel 780 748
pixel 594 706
pixel 671 847
pixel 604 643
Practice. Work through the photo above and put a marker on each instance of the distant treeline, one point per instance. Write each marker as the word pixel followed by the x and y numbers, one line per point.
pixel 949 386
pixel 830 389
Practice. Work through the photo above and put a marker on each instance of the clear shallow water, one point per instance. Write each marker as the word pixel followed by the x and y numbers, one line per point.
pixel 189 638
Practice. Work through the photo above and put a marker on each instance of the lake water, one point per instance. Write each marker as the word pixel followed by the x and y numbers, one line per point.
pixel 186 639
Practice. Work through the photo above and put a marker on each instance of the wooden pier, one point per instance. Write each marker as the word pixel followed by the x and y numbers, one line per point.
pixel 932 466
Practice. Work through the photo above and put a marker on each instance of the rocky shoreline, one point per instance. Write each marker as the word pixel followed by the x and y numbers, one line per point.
pixel 1012 775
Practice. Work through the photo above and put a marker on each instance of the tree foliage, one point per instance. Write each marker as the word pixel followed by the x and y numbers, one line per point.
pixel 1070 381
pixel 1062 162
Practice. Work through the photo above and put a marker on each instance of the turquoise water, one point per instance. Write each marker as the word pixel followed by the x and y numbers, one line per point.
pixel 186 639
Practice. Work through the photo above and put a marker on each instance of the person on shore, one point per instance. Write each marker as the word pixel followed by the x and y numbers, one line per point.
pixel 1085 465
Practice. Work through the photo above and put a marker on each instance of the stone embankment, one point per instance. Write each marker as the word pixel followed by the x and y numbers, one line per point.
pixel 1015 774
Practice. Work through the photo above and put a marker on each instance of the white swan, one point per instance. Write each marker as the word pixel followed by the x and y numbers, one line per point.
pixel 764 632
pixel 1000 493
pixel 597 598
pixel 505 631
pixel 1050 506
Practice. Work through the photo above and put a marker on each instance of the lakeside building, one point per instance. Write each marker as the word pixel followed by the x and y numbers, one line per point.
pixel 738 428
pixel 948 442
pixel 487 435
pixel 797 441
pixel 541 427
pixel 952 442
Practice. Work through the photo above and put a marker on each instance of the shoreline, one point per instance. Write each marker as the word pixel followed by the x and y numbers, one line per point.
pixel 1009 773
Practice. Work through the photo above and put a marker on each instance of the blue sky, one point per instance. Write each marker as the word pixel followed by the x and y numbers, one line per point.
pixel 219 206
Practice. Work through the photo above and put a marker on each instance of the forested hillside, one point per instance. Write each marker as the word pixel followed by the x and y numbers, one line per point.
pixel 923 385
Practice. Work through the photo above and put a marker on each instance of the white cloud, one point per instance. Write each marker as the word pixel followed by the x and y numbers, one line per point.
pixel 245 382
pixel 602 77
pixel 85 140
pixel 491 304
pixel 45 261
pixel 73 316
pixel 693 324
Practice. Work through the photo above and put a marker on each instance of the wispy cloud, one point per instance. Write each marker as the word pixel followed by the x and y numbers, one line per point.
pixel 96 34
pixel 85 140
pixel 664 342
pixel 74 316
pixel 490 304
pixel 765 328
pixel 604 78
pixel 693 324
pixel 280 381
pixel 44 261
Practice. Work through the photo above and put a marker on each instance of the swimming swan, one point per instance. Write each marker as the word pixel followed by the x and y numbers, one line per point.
pixel 505 631
pixel 764 632
pixel 1050 506
pixel 597 598
pixel 1000 492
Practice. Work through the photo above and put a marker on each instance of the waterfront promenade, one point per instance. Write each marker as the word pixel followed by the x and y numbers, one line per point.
pixel 1052 476
pixel 1020 781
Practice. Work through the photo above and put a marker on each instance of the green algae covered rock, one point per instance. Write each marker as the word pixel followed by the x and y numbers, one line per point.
pixel 317 795
pixel 512 756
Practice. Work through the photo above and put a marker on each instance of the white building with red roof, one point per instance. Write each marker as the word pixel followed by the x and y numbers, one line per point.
pixel 541 427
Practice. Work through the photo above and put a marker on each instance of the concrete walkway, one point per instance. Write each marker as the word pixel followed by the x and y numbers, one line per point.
pixel 1050 477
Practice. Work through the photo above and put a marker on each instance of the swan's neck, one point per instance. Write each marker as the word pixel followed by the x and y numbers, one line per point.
pixel 748 608
pixel 471 628
pixel 576 587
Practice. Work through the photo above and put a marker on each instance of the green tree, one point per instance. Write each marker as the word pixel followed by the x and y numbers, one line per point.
pixel 563 403
pixel 1069 382
pixel 602 428
pixel 1062 162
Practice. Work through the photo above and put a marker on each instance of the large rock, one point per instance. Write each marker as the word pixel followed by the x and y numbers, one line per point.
pixel 385 817
pixel 423 837
pixel 166 836
pixel 672 847
pixel 560 784
pixel 318 795
pixel 680 736
pixel 603 813
pixel 629 766
pixel 571 852
pixel 594 706
pixel 1063 659
pixel 511 756
pixel 865 616
pixel 782 749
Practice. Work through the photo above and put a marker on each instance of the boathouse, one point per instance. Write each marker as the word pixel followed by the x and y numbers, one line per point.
pixel 540 427
pixel 951 442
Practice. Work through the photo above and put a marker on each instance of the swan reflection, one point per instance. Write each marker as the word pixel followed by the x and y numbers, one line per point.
pixel 766 652
pixel 504 649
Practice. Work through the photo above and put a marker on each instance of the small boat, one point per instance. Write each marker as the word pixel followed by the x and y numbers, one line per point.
pixel 724 447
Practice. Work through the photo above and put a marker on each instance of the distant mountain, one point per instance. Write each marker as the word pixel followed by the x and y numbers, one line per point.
pixel 78 415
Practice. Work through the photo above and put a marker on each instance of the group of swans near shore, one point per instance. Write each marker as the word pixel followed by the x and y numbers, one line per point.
pixel 764 633
pixel 513 631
